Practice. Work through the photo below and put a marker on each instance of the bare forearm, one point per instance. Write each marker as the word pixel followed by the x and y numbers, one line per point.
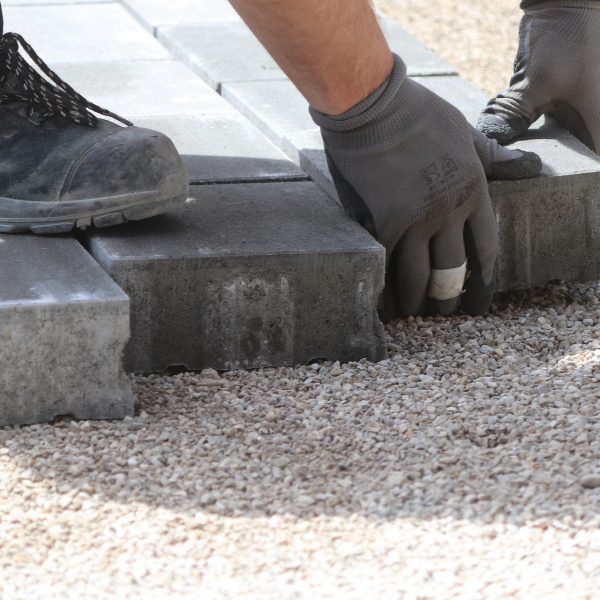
pixel 333 50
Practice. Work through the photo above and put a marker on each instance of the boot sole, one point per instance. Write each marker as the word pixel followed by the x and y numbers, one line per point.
pixel 62 217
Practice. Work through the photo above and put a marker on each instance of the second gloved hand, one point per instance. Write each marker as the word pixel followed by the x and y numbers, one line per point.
pixel 410 169
pixel 557 73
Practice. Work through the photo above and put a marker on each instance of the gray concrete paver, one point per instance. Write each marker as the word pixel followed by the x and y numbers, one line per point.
pixel 420 60
pixel 221 52
pixel 247 276
pixel 144 88
pixel 83 33
pixel 224 148
pixel 156 13
pixel 63 327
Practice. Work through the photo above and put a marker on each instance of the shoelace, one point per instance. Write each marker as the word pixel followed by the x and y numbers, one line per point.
pixel 48 98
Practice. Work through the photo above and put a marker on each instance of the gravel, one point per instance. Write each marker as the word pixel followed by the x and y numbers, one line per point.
pixel 457 468
pixel 478 38
pixel 465 466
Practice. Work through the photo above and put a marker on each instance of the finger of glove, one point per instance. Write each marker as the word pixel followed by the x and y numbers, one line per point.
pixel 449 267
pixel 511 112
pixel 503 163
pixel 411 273
pixel 481 244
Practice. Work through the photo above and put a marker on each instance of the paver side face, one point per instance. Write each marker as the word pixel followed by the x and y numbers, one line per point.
pixel 248 276
pixel 63 327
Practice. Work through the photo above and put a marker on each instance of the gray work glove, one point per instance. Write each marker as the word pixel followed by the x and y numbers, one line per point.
pixel 557 73
pixel 410 169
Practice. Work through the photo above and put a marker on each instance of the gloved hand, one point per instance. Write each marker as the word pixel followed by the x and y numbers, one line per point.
pixel 557 73
pixel 411 170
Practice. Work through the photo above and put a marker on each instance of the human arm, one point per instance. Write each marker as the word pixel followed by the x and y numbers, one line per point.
pixel 406 164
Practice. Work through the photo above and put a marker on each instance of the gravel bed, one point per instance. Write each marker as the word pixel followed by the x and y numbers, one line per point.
pixel 479 39
pixel 465 466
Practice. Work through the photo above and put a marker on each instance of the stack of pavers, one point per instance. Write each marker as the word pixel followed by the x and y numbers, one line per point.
pixel 261 268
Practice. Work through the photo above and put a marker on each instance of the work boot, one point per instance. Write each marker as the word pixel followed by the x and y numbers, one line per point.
pixel 63 167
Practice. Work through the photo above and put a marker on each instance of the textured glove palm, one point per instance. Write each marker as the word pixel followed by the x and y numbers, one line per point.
pixel 410 169
pixel 557 72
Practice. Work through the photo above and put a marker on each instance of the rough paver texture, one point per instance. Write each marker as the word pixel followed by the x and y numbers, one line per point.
pixel 87 33
pixel 63 328
pixel 224 148
pixel 247 276
pixel 451 470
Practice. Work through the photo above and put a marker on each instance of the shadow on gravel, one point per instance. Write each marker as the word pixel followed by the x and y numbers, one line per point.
pixel 478 419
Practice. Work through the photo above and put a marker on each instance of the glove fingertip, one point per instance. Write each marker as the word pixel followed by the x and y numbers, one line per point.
pixel 525 166
pixel 500 129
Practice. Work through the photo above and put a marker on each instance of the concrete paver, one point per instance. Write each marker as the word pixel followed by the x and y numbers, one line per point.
pixel 221 52
pixel 224 148
pixel 83 33
pixel 63 327
pixel 247 276
pixel 420 60
pixel 156 13
pixel 145 88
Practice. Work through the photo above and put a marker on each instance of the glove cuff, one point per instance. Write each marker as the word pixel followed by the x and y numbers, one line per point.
pixel 368 110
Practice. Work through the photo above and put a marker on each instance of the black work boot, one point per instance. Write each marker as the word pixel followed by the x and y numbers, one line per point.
pixel 62 167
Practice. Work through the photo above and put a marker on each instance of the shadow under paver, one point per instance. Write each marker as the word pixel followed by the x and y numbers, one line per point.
pixel 247 276
pixel 82 33
pixel 63 327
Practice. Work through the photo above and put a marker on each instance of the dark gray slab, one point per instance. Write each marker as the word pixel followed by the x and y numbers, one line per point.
pixel 145 88
pixel 154 13
pixel 81 33
pixel 247 276
pixel 221 52
pixel 63 327
pixel 224 148
pixel 419 59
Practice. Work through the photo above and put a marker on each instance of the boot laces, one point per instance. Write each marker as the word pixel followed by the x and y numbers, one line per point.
pixel 50 97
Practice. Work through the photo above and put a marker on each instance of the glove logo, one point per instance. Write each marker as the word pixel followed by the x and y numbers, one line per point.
pixel 438 173
pixel 448 166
